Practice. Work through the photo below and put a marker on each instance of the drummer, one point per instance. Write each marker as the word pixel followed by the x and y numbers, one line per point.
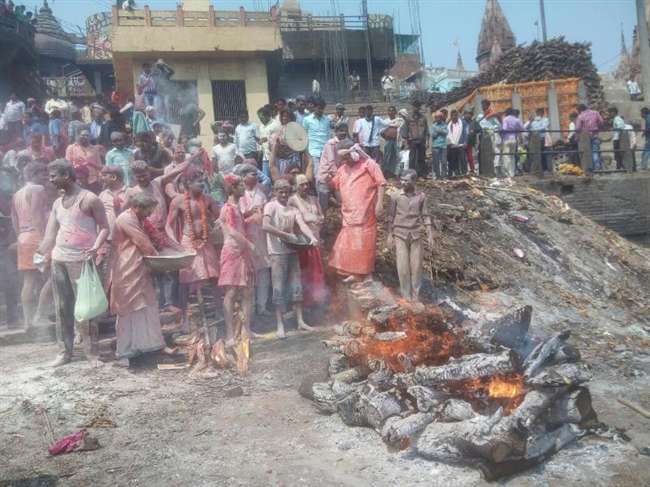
pixel 288 149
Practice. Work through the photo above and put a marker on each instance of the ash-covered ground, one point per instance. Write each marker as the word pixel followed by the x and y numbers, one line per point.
pixel 167 428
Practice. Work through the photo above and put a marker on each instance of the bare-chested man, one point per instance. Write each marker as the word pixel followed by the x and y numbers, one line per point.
pixel 114 200
pixel 142 174
pixel 29 216
pixel 75 231
pixel 191 215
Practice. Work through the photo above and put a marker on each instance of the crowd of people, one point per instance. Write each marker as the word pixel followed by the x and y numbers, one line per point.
pixel 98 182
pixel 18 12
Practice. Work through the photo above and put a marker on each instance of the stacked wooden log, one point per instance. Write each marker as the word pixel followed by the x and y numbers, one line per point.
pixel 539 61
pixel 485 394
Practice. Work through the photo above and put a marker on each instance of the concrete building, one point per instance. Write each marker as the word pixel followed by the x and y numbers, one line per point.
pixel 219 58
pixel 330 49
pixel 496 36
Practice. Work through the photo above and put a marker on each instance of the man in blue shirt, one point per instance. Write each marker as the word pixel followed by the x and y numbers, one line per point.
pixel 318 130
pixel 247 135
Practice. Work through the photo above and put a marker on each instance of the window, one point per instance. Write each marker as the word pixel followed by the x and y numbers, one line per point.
pixel 229 99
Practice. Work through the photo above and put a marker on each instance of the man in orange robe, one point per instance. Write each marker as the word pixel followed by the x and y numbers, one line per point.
pixel 360 184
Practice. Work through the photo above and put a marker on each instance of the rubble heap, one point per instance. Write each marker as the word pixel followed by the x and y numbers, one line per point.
pixel 510 242
pixel 465 381
pixel 539 61
pixel 486 395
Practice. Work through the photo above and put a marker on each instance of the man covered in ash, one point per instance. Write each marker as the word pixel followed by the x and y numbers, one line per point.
pixel 76 230
pixel 407 217
pixel 279 223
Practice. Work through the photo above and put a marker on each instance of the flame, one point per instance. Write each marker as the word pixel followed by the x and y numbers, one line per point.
pixel 507 388
pixel 508 391
pixel 426 338
pixel 426 341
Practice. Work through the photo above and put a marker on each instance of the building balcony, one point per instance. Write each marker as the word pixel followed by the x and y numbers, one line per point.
pixel 201 32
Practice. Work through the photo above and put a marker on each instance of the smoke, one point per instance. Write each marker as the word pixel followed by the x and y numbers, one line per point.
pixel 176 99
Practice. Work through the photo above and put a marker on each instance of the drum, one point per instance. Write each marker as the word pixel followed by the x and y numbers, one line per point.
pixel 295 137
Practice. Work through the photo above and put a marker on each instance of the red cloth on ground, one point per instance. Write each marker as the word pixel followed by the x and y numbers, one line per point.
pixel 313 276
pixel 68 443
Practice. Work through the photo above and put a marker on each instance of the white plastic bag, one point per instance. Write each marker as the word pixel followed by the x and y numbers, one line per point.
pixel 91 299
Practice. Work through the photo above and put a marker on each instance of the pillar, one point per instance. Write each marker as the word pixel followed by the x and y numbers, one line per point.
pixel 517 103
pixel 535 145
pixel 628 154
pixel 553 112
pixel 206 103
pixel 584 151
pixel 486 155
pixel 257 91
pixel 98 82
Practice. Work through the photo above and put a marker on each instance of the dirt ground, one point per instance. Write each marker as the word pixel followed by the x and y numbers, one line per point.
pixel 225 431
pixel 174 430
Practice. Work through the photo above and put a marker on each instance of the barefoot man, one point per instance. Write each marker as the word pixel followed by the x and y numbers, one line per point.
pixel 191 214
pixel 29 216
pixel 114 200
pixel 360 185
pixel 280 223
pixel 237 268
pixel 133 296
pixel 142 174
pixel 76 229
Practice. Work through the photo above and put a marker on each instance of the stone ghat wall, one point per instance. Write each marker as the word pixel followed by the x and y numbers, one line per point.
pixel 620 202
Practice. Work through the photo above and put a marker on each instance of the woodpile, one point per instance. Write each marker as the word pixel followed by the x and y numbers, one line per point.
pixel 539 61
pixel 487 395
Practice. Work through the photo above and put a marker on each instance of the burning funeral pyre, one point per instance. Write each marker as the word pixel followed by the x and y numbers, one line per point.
pixel 487 395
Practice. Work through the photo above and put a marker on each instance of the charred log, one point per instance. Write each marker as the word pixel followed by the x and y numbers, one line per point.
pixel 399 432
pixel 343 389
pixel 368 408
pixel 455 410
pixel 390 336
pixel 381 379
pixel 468 367
pixel 403 381
pixel 480 437
pixel 377 408
pixel 338 362
pixel 574 407
pixel 383 315
pixel 566 354
pixel 354 374
pixel 323 397
pixel 544 352
pixel 561 375
pixel 349 410
pixel 546 443
pixel 511 331
pixel 427 399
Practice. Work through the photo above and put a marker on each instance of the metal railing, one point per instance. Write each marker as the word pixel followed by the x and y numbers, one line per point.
pixel 579 151
pixel 328 23
pixel 187 18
